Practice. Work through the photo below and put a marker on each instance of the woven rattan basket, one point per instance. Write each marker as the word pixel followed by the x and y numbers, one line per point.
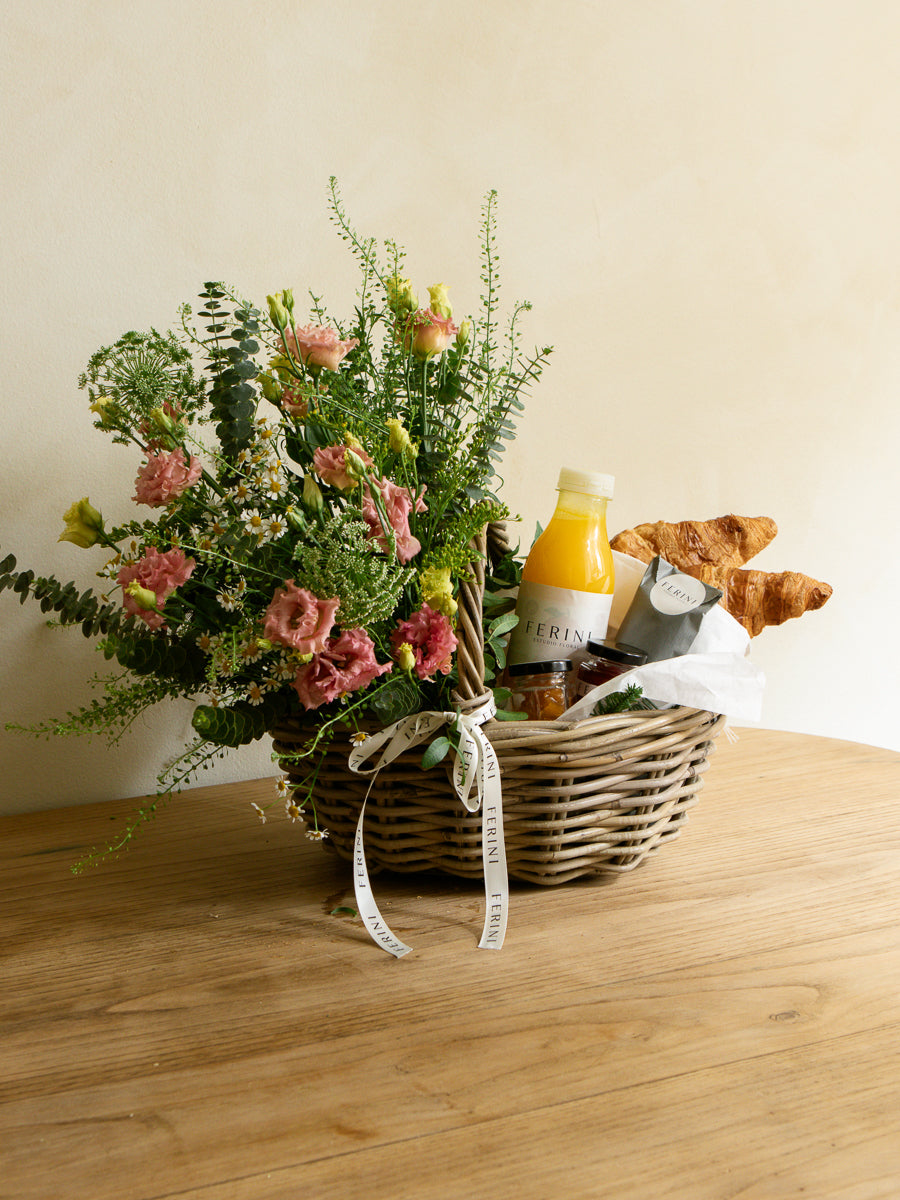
pixel 597 797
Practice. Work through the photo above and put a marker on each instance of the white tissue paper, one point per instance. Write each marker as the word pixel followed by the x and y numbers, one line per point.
pixel 716 675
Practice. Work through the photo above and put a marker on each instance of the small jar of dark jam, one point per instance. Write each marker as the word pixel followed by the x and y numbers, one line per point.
pixel 606 661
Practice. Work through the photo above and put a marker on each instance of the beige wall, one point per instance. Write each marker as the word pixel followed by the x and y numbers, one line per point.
pixel 699 196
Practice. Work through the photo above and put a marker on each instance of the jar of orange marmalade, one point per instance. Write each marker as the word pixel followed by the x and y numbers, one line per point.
pixel 539 689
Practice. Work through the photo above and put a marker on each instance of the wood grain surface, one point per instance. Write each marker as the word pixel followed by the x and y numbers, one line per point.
pixel 195 1021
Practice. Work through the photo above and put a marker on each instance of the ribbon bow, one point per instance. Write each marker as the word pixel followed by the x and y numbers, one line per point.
pixel 476 764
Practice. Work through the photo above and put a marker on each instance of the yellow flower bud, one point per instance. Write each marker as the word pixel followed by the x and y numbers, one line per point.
pixel 162 420
pixel 440 300
pixel 142 596
pixel 400 440
pixel 401 298
pixel 312 494
pixel 83 524
pixel 464 334
pixel 103 406
pixel 437 590
pixel 269 386
pixel 279 314
pixel 354 465
pixel 406 657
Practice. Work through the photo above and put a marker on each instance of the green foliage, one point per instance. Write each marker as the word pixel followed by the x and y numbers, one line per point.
pixel 436 752
pixel 338 559
pixel 71 606
pixel 123 701
pixel 398 696
pixel 496 635
pixel 232 396
pixel 241 723
pixel 166 658
pixel 616 702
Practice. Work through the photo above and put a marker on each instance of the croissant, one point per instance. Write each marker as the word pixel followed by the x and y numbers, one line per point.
pixel 728 541
pixel 714 552
pixel 761 598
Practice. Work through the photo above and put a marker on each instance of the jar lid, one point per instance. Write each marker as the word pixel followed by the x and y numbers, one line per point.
pixel 619 652
pixel 590 483
pixel 540 668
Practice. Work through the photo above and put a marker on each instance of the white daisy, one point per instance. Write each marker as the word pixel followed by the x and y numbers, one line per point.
pixel 256 693
pixel 273 486
pixel 242 492
pixel 254 522
pixel 275 528
pixel 250 650
pixel 283 671
pixel 259 812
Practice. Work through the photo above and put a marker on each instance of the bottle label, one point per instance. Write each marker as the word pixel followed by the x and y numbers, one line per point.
pixel 557 622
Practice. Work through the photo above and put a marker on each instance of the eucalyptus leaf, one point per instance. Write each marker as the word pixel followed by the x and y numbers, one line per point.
pixel 399 697
pixel 436 752
pixel 502 624
pixel 503 714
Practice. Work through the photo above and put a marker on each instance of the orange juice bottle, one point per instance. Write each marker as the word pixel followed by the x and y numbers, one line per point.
pixel 567 584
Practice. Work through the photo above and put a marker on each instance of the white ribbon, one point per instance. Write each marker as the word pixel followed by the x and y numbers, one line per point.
pixel 476 763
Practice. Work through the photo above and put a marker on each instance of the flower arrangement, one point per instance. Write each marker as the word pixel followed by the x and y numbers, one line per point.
pixel 315 486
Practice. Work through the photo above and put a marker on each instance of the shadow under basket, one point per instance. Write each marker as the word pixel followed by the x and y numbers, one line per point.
pixel 597 797
pixel 594 798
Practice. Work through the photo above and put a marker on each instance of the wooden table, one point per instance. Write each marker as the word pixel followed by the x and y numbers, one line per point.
pixel 194 1020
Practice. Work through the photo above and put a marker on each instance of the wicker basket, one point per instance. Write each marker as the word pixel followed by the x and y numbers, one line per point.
pixel 597 797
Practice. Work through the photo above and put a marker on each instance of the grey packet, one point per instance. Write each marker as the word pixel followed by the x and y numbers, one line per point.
pixel 668 608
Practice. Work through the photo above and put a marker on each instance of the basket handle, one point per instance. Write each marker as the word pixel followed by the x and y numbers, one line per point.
pixel 470 690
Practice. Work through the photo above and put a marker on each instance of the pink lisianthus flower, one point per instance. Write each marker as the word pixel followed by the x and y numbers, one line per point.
pixel 293 402
pixel 164 477
pixel 428 333
pixel 318 346
pixel 297 618
pixel 158 573
pixel 431 638
pixel 398 504
pixel 347 664
pixel 330 464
